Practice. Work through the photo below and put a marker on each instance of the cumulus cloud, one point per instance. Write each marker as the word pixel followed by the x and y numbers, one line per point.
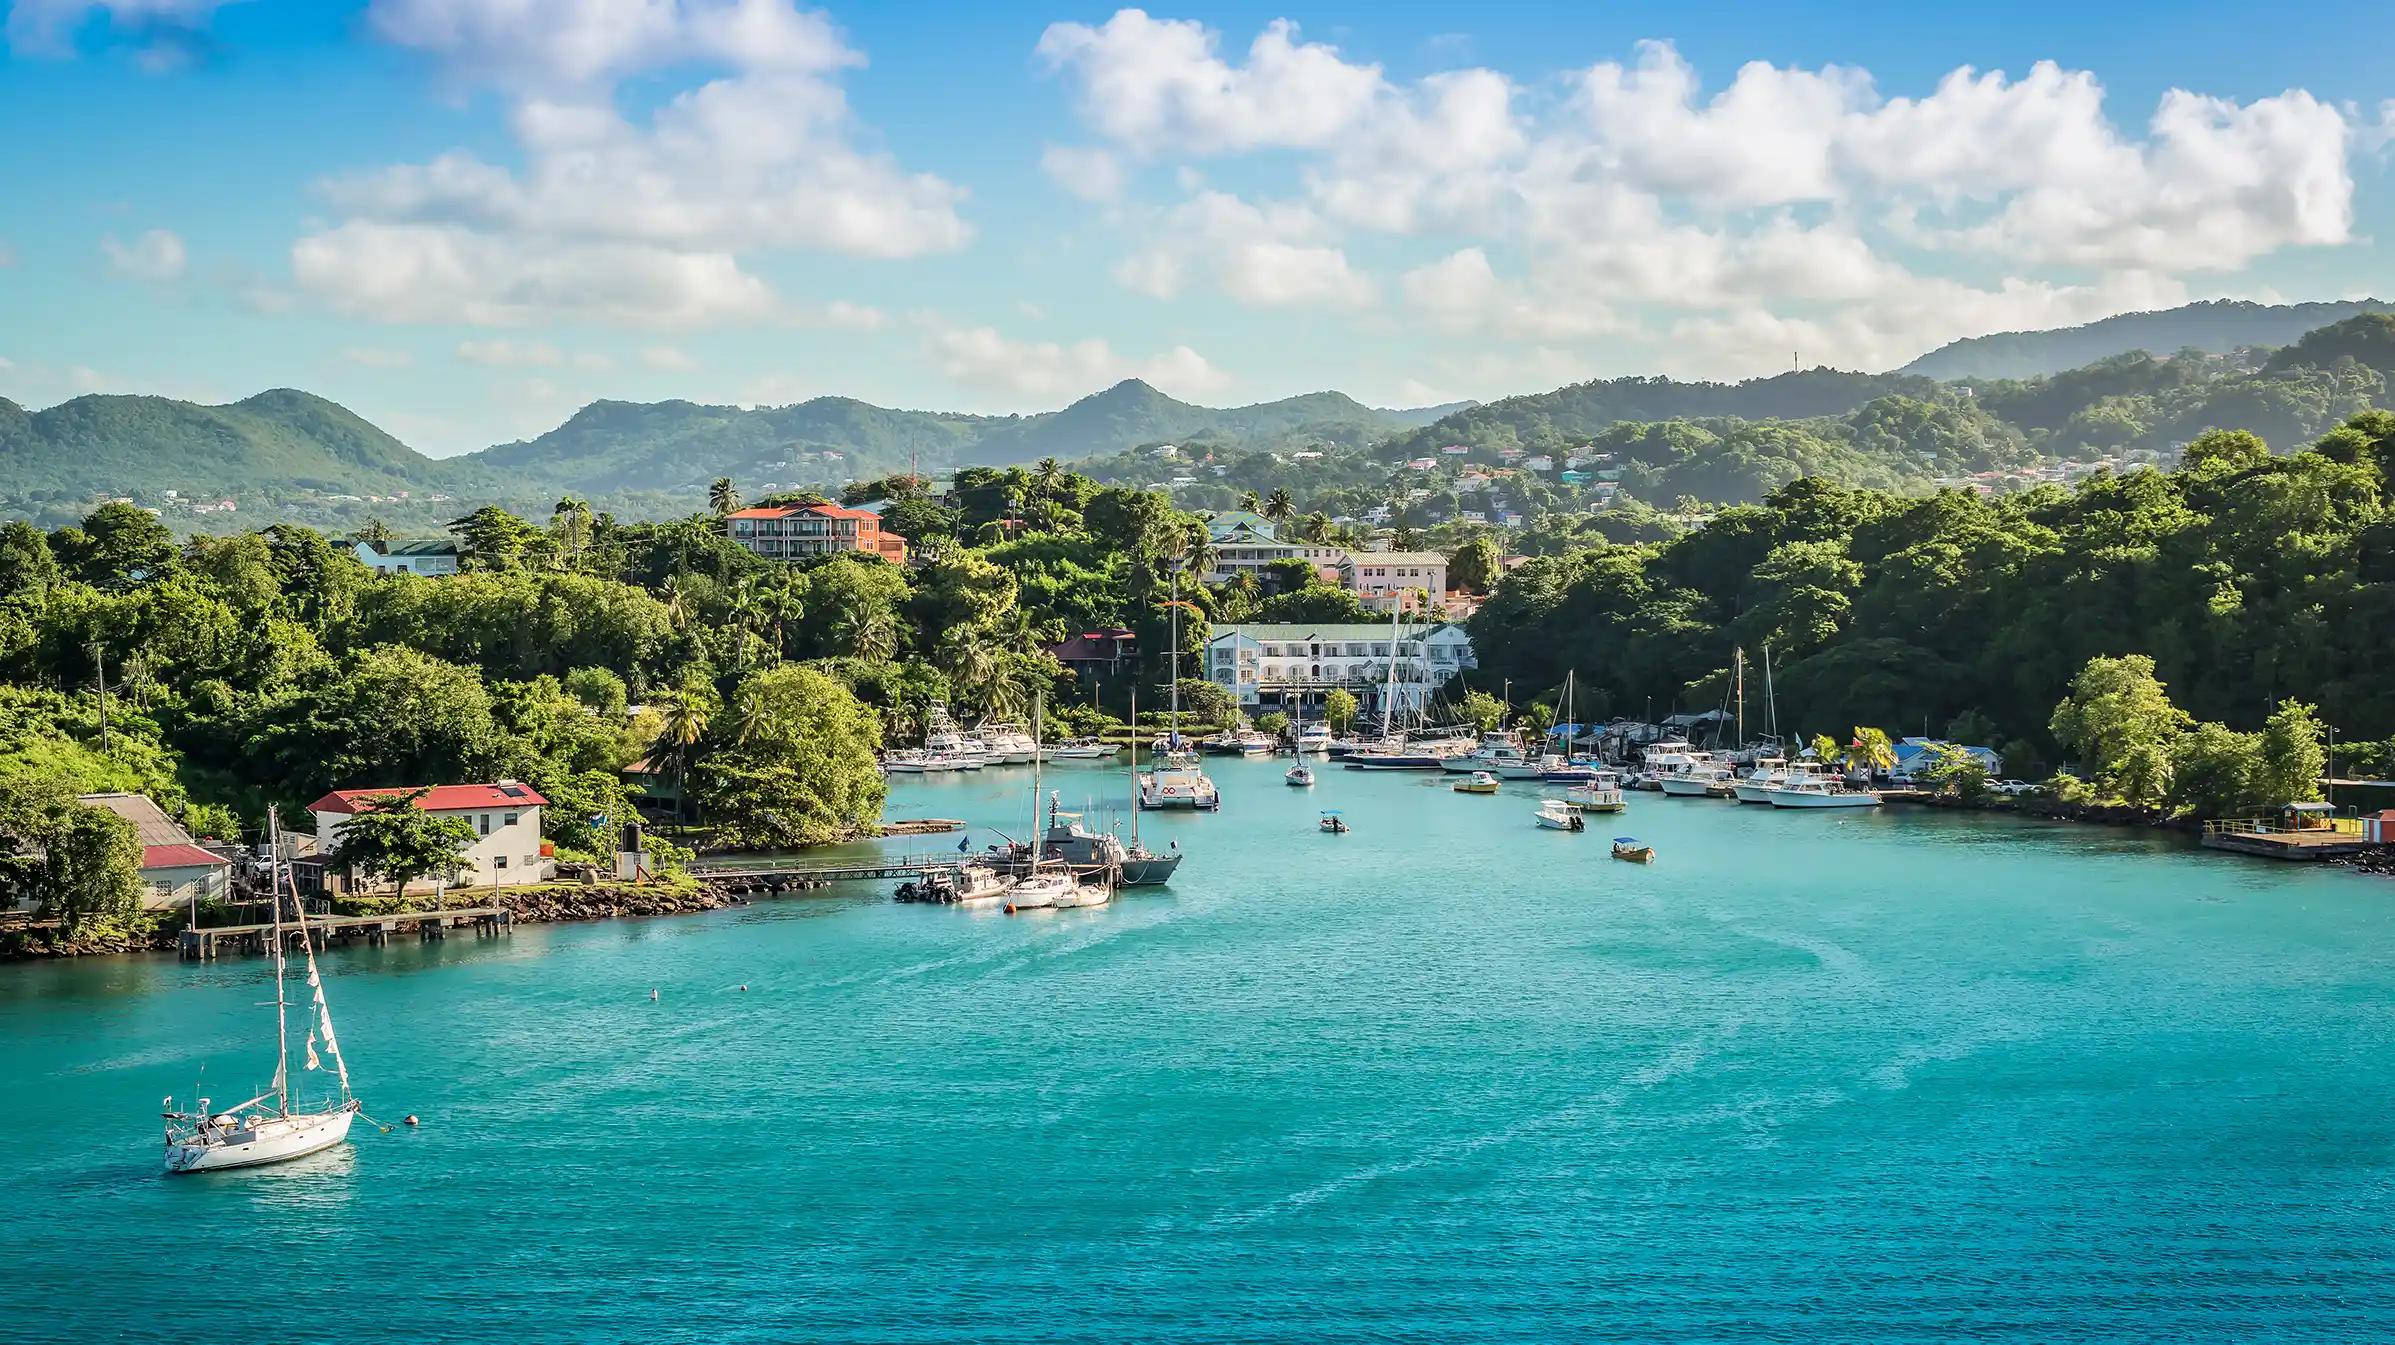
pixel 766 157
pixel 157 257
pixel 1039 374
pixel 1157 84
pixel 1274 256
pixel 1788 205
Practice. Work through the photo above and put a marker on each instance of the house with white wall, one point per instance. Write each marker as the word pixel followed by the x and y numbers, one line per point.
pixel 505 818
pixel 1291 663
pixel 429 556
pixel 1385 579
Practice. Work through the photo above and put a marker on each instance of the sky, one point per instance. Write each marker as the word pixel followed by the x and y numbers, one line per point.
pixel 465 219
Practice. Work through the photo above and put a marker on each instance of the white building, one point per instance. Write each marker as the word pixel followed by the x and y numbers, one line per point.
pixel 1384 579
pixel 175 870
pixel 1245 543
pixel 1293 663
pixel 505 817
pixel 432 556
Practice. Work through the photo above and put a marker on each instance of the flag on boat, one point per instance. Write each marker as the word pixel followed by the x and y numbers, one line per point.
pixel 964 843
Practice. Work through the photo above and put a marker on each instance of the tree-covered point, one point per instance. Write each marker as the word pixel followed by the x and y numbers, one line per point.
pixel 2250 580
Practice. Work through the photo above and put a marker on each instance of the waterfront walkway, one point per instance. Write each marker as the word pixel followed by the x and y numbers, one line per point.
pixel 202 944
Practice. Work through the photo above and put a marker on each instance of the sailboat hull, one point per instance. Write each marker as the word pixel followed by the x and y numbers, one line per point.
pixel 275 1139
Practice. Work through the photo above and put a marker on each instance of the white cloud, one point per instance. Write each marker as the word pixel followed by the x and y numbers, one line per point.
pixel 1040 374
pixel 766 158
pixel 157 257
pixel 376 357
pixel 1157 84
pixel 667 358
pixel 434 273
pixel 1088 172
pixel 1789 203
pixel 565 44
pixel 1259 256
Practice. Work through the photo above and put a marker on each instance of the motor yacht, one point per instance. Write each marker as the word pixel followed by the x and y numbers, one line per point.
pixel 1821 793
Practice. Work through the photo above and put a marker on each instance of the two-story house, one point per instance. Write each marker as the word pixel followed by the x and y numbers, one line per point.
pixel 1291 663
pixel 789 532
pixel 1384 579
pixel 505 817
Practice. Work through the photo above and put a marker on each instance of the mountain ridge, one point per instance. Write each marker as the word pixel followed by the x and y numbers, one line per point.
pixel 2216 327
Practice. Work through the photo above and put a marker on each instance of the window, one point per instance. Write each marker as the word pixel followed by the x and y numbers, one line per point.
pixel 482 824
pixel 511 820
pixel 498 861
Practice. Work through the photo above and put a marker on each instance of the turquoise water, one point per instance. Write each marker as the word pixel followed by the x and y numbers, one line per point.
pixel 1900 1077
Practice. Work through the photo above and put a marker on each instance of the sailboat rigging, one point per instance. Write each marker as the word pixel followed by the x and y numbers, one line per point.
pixel 266 1128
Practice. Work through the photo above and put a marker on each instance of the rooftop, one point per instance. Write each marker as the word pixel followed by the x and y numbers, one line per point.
pixel 792 510
pixel 437 799
pixel 1343 632
pixel 1397 557
pixel 179 857
pixel 150 822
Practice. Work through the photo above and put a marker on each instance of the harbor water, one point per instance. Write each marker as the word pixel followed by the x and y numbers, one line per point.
pixel 1903 1076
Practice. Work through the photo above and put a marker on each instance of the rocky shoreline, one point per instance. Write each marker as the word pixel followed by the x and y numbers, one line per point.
pixel 2380 861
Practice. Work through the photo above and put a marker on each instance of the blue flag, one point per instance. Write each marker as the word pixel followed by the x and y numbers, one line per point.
pixel 964 842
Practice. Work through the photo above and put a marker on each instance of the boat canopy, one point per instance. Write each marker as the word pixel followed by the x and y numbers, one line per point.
pixel 1625 840
pixel 1330 812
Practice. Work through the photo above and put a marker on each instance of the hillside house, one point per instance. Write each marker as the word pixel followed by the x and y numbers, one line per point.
pixel 175 869
pixel 425 556
pixel 1383 579
pixel 507 850
pixel 789 532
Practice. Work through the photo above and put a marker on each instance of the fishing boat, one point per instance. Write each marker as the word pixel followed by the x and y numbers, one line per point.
pixel 1333 823
pixel 1557 769
pixel 912 761
pixel 1003 744
pixel 942 739
pixel 1696 779
pixel 1393 756
pixel 1601 793
pixel 274 1126
pixel 1139 866
pixel 1499 755
pixel 1299 776
pixel 970 883
pixel 1633 849
pixel 1314 737
pixel 1821 793
pixel 1481 783
pixel 1080 749
pixel 1556 815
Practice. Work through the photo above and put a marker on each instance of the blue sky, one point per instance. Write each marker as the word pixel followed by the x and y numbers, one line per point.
pixel 465 218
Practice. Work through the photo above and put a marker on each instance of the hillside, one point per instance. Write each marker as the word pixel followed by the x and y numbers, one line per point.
pixel 1583 410
pixel 680 446
pixel 279 439
pixel 2216 328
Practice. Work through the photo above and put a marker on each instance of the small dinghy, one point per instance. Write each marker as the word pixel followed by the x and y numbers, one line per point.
pixel 1333 823
pixel 1556 815
pixel 1481 783
pixel 1633 850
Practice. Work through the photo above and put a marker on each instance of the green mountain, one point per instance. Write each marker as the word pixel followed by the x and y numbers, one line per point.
pixel 680 446
pixel 1584 410
pixel 279 439
pixel 2216 328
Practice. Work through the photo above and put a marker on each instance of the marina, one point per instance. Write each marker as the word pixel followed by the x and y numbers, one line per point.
pixel 1311 1054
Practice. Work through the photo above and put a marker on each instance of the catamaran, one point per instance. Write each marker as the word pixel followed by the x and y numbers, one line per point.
pixel 269 1128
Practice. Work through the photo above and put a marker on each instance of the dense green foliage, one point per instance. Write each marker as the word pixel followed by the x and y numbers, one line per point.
pixel 2242 581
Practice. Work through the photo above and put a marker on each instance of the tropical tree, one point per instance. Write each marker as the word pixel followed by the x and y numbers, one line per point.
pixel 2290 758
pixel 722 496
pixel 684 724
pixel 1870 752
pixel 1340 708
pixel 1251 502
pixel 1475 565
pixel 1280 507
pixel 802 770
pixel 570 524
pixel 1482 710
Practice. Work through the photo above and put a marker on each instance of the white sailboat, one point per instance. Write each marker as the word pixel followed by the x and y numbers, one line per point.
pixel 267 1128
pixel 1176 781
pixel 1051 883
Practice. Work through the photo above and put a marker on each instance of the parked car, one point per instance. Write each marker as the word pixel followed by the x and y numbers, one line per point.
pixel 2013 789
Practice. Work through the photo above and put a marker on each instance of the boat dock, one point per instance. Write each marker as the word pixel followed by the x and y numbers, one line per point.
pixel 780 876
pixel 2276 840
pixel 327 930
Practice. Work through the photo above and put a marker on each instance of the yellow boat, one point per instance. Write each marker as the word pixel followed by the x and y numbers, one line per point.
pixel 1481 783
pixel 1633 850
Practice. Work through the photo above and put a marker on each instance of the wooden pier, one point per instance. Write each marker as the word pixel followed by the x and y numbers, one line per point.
pixel 2273 840
pixel 787 875
pixel 328 930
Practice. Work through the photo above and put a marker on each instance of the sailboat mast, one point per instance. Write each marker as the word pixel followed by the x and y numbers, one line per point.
pixel 1172 671
pixel 1388 703
pixel 1135 761
pixel 1771 697
pixel 1738 686
pixel 282 1017
pixel 1039 717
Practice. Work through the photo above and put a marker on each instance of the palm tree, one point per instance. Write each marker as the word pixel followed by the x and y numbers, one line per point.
pixel 1280 508
pixel 1870 750
pixel 969 661
pixel 571 520
pixel 722 497
pixel 866 628
pixel 1250 501
pixel 742 612
pixel 685 722
pixel 375 531
pixel 1315 528
pixel 1047 477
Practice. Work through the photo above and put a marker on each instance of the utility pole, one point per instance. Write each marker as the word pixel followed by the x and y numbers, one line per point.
pixel 99 659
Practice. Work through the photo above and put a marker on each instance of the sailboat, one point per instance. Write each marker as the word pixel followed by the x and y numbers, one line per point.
pixel 1558 768
pixel 1052 882
pixel 1176 781
pixel 1393 752
pixel 267 1128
